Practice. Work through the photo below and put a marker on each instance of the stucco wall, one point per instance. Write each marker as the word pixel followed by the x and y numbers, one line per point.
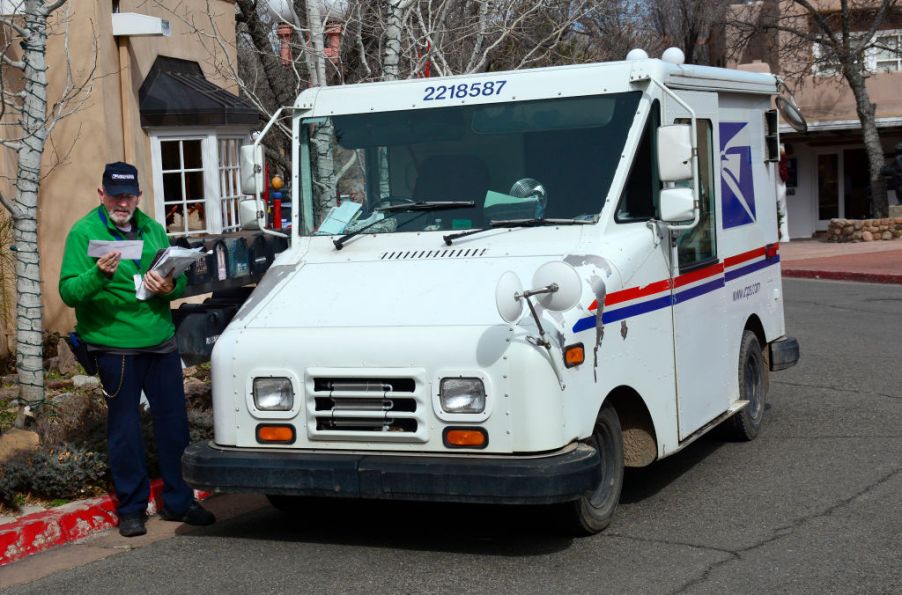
pixel 97 133
pixel 823 98
pixel 826 99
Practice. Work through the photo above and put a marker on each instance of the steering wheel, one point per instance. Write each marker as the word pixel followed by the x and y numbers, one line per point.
pixel 389 201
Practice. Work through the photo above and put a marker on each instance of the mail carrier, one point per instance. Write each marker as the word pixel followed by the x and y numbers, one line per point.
pixel 535 279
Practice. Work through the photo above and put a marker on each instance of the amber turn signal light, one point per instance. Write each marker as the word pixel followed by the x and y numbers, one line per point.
pixel 465 438
pixel 275 434
pixel 574 355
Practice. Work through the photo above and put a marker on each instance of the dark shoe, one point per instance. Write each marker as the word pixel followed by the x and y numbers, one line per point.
pixel 132 526
pixel 195 515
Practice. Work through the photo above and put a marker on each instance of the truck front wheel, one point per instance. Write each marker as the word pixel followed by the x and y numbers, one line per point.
pixel 593 512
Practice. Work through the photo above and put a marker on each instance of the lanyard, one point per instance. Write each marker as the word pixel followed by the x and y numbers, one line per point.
pixel 118 237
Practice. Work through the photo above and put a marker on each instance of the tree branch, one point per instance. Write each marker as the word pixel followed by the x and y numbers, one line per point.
pixel 22 31
pixel 14 211
pixel 49 8
pixel 18 65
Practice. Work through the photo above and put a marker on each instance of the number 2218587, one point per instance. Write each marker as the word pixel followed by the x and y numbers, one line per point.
pixel 464 90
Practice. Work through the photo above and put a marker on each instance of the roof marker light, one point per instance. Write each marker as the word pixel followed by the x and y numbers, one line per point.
pixel 674 56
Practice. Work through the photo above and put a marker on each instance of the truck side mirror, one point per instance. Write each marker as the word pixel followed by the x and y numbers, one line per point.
pixel 677 204
pixel 250 163
pixel 675 153
pixel 247 214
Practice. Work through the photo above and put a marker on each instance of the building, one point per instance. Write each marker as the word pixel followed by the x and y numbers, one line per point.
pixel 157 100
pixel 828 167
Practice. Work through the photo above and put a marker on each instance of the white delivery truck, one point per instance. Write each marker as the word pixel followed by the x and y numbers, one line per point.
pixel 552 274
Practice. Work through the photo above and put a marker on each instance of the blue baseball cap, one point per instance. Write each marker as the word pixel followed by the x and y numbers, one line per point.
pixel 121 178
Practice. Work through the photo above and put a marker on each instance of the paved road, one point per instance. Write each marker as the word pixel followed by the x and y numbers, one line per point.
pixel 813 506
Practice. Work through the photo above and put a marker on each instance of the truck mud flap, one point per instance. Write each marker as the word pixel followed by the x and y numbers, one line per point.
pixel 784 353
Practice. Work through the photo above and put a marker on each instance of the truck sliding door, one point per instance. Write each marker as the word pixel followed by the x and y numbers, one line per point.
pixel 699 310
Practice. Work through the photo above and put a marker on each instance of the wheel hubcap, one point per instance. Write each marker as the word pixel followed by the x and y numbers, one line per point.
pixel 753 386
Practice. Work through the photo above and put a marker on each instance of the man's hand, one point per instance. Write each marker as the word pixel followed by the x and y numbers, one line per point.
pixel 157 283
pixel 108 263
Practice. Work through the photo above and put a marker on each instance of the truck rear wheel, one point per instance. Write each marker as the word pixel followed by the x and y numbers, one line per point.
pixel 753 384
pixel 593 512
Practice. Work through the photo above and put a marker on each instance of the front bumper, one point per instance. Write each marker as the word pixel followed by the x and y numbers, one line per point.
pixel 558 477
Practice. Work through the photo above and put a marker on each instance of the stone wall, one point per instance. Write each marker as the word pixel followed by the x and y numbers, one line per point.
pixel 864 230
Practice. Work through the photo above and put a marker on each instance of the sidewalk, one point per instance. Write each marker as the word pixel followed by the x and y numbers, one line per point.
pixel 871 262
pixel 71 522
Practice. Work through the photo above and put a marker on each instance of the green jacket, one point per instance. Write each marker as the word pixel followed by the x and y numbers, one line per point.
pixel 107 311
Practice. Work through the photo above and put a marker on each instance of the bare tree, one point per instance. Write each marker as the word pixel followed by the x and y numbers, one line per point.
pixel 691 25
pixel 467 36
pixel 610 29
pixel 381 40
pixel 835 41
pixel 27 123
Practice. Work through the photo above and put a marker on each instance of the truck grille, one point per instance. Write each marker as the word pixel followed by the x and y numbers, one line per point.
pixel 366 407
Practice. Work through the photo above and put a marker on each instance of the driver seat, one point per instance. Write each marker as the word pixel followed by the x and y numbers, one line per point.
pixel 452 177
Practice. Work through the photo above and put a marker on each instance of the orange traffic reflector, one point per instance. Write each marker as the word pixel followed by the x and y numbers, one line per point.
pixel 466 438
pixel 280 434
pixel 574 355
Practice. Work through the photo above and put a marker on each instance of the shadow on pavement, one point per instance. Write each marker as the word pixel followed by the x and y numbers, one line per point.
pixel 645 482
pixel 442 527
pixel 453 528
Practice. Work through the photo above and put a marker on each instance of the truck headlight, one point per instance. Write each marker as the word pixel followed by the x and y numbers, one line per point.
pixel 273 394
pixel 462 395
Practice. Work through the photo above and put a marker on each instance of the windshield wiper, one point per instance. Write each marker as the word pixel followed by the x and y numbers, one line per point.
pixel 516 223
pixel 394 210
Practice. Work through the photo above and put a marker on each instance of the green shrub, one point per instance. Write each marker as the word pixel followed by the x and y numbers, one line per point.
pixel 68 472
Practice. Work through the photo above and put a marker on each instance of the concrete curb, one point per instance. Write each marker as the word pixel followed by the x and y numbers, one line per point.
pixel 844 276
pixel 43 530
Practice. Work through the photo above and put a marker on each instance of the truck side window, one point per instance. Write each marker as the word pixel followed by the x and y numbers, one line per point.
pixel 639 201
pixel 699 244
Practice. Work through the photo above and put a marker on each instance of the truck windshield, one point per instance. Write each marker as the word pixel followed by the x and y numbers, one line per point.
pixel 540 159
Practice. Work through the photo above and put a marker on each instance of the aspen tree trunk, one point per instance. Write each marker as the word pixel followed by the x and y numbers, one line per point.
pixel 29 311
pixel 391 56
pixel 322 139
pixel 391 60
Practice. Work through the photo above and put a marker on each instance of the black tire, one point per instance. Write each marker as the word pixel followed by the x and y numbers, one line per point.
pixel 593 512
pixel 753 385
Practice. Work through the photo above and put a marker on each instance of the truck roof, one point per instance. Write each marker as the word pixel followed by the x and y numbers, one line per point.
pixel 524 85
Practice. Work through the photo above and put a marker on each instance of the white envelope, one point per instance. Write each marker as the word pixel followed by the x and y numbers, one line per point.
pixel 130 249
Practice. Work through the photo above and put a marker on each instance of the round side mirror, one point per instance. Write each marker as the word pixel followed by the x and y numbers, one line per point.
pixel 791 113
pixel 509 307
pixel 568 283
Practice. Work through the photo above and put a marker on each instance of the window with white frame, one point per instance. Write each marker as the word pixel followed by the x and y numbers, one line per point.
pixel 884 54
pixel 229 182
pixel 196 181
pixel 825 64
pixel 881 55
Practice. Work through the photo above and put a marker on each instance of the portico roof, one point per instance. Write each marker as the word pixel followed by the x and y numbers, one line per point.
pixel 176 93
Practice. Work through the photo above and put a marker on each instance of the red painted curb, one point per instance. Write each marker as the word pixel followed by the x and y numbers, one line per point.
pixel 43 530
pixel 844 276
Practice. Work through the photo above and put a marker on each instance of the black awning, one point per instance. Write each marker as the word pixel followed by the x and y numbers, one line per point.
pixel 176 93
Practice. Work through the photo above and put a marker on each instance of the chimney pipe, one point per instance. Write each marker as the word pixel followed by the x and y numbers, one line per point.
pixel 284 32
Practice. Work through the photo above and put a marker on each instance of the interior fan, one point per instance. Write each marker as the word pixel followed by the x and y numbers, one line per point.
pixel 529 188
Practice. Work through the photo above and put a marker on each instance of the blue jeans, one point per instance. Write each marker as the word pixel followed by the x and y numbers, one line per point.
pixel 159 375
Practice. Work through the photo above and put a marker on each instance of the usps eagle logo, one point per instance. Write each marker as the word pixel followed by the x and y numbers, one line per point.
pixel 736 185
